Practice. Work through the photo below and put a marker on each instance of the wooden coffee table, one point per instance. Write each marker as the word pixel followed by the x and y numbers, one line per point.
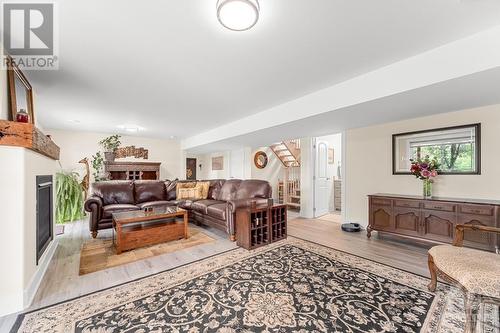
pixel 139 228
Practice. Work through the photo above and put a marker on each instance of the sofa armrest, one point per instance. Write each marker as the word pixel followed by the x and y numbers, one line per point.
pixel 233 205
pixel 93 203
pixel 94 206
pixel 242 203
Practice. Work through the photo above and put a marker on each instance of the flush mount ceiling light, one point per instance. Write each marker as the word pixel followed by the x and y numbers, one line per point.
pixel 238 15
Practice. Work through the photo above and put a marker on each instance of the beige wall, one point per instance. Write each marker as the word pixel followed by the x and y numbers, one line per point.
pixel 11 239
pixel 18 172
pixel 368 164
pixel 77 145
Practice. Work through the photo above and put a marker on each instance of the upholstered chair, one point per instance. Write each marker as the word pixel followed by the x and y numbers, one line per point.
pixel 476 273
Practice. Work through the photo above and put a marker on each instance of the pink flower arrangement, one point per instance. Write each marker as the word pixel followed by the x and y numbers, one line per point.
pixel 424 169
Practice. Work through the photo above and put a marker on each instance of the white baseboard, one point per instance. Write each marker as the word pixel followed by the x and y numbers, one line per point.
pixel 43 264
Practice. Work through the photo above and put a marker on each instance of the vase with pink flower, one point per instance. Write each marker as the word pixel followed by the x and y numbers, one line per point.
pixel 425 169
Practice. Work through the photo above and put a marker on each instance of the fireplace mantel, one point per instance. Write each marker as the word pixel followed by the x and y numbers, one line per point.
pixel 27 136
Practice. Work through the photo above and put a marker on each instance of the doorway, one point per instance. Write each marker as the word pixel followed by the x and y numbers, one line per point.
pixel 191 168
pixel 327 177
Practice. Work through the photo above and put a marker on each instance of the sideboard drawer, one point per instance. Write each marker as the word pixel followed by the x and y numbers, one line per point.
pixel 407 203
pixel 441 206
pixel 381 202
pixel 477 210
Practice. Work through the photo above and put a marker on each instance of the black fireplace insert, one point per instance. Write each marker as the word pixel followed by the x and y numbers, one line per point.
pixel 44 214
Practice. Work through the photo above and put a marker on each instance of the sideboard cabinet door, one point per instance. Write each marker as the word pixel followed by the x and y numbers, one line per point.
pixel 382 218
pixel 438 226
pixel 407 221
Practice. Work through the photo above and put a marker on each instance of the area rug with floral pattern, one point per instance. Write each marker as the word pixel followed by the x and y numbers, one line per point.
pixel 290 286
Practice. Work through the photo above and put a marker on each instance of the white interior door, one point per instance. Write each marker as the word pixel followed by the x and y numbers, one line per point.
pixel 321 179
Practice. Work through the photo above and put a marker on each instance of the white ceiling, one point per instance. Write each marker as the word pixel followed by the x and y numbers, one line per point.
pixel 169 66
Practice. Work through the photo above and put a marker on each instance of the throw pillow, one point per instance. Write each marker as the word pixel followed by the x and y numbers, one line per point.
pixel 204 186
pixel 171 188
pixel 186 193
pixel 184 185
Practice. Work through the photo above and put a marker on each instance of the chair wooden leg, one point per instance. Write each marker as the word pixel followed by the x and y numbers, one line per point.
pixel 94 234
pixel 471 312
pixel 432 269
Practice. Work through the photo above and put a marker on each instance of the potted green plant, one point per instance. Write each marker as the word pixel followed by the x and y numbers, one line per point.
pixel 69 197
pixel 109 145
pixel 97 166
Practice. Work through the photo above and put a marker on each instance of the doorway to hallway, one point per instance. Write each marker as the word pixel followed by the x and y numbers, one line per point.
pixel 327 178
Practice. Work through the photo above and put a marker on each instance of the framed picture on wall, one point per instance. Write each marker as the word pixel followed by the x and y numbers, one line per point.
pixel 331 156
pixel 20 92
pixel 218 163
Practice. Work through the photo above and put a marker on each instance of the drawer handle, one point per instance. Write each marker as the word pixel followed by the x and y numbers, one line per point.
pixel 438 207
pixel 475 211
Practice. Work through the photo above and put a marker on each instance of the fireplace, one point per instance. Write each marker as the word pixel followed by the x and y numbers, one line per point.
pixel 44 214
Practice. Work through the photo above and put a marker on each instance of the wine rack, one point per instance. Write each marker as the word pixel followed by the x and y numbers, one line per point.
pixel 278 222
pixel 260 225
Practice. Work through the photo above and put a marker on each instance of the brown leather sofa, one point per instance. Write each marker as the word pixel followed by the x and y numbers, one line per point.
pixel 218 210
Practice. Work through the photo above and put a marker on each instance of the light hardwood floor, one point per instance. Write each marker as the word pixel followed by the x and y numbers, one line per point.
pixel 387 250
pixel 62 282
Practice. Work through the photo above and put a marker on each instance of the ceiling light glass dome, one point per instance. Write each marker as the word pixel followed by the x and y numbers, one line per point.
pixel 238 15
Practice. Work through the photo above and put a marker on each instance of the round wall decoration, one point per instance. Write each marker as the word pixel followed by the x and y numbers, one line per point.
pixel 260 159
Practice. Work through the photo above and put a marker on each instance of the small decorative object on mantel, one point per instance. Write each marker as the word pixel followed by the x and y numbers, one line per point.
pixel 22 116
pixel 425 169
pixel 131 151
pixel 109 145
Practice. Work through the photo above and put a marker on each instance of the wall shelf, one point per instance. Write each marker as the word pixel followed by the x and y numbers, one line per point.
pixel 27 136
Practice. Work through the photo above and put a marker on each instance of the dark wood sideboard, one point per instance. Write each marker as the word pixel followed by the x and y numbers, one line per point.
pixel 132 170
pixel 434 220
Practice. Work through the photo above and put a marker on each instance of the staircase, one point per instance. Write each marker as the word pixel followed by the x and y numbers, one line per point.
pixel 288 152
pixel 292 196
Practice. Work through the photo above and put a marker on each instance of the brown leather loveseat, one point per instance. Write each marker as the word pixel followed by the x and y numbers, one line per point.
pixel 218 210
